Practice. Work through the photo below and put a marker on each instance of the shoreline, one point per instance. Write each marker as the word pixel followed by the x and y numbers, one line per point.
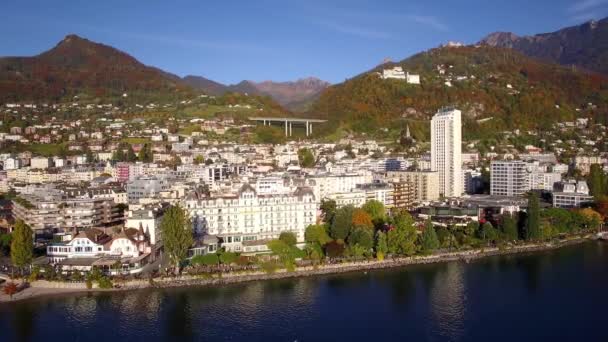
pixel 44 288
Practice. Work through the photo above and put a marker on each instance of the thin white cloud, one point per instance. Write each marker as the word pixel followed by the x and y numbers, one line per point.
pixel 193 43
pixel 339 25
pixel 586 5
pixel 584 17
pixel 585 10
pixel 358 31
pixel 430 21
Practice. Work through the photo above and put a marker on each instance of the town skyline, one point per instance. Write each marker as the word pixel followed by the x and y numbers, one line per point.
pixel 153 188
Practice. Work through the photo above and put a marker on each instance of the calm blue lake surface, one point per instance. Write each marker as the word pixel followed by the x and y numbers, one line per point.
pixel 559 295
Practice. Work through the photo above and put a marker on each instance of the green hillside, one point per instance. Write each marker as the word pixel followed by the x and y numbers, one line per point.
pixel 497 89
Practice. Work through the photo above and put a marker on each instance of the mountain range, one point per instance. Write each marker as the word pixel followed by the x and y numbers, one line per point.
pixel 78 66
pixel 585 45
pixel 294 95
pixel 503 82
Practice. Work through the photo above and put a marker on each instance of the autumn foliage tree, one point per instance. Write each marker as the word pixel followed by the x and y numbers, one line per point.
pixel 429 240
pixel 381 245
pixel 376 210
pixel 177 235
pixel 306 158
pixel 10 289
pixel 509 227
pixel 593 219
pixel 361 219
pixel 401 238
pixel 328 210
pixel 22 245
pixel 601 206
pixel 533 231
pixel 342 223
pixel 597 181
pixel 317 233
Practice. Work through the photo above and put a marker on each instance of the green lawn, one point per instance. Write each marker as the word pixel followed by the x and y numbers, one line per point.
pixel 135 140
pixel 47 150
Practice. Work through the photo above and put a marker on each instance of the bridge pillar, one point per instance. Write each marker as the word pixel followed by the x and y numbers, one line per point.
pixel 307 128
pixel 290 128
pixel 310 129
pixel 286 128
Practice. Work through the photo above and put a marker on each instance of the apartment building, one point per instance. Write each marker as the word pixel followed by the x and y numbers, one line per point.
pixel 381 192
pixel 48 212
pixel 40 163
pixel 403 195
pixel 571 194
pixel 84 213
pixel 424 184
pixel 355 198
pixel 509 178
pixel 146 187
pixel 516 177
pixel 326 184
pixel 42 213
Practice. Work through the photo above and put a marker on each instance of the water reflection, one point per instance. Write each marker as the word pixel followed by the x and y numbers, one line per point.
pixel 345 281
pixel 531 268
pixel 179 318
pixel 448 301
pixel 24 319
pixel 402 288
pixel 451 301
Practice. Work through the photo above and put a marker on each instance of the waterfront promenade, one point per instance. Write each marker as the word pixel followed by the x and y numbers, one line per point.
pixel 44 288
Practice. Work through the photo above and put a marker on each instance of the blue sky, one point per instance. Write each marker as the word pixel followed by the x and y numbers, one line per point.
pixel 231 40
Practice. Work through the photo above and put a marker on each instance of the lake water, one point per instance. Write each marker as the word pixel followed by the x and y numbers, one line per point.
pixel 559 295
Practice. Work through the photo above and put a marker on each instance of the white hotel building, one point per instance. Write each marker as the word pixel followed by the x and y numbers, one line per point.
pixel 398 73
pixel 245 221
pixel 446 151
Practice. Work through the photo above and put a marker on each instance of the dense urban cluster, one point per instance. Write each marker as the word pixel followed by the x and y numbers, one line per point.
pixel 126 196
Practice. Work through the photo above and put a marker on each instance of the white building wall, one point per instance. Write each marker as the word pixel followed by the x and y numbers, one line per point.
pixel 249 216
pixel 446 151
pixel 508 178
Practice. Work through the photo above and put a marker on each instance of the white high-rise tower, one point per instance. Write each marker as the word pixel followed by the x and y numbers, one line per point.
pixel 446 151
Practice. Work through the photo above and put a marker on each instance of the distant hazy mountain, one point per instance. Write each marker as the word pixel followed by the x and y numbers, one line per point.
pixel 584 45
pixel 78 66
pixel 208 86
pixel 245 87
pixel 296 95
pixel 293 95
